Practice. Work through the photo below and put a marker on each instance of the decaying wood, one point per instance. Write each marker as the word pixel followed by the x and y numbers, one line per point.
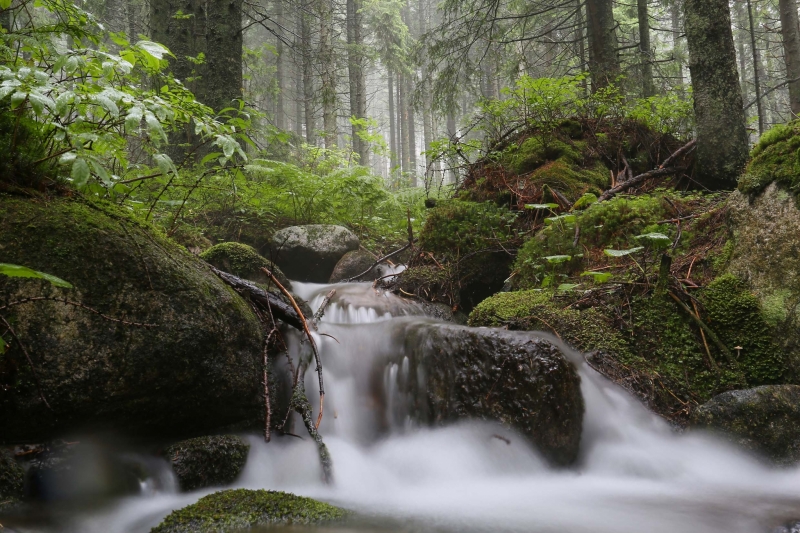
pixel 310 340
pixel 665 169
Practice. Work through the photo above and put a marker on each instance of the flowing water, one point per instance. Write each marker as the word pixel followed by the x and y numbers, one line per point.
pixel 634 473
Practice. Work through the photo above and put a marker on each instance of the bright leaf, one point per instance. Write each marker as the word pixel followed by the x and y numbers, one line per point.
pixel 16 271
pixel 622 253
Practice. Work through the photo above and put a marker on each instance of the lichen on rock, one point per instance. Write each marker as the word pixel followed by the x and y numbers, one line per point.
pixel 235 510
pixel 207 461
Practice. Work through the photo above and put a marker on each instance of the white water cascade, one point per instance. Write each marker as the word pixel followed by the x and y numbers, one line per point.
pixel 634 474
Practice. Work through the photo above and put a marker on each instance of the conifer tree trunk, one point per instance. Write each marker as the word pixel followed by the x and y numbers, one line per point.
pixel 741 38
pixel 427 103
pixel 580 38
pixel 402 109
pixel 223 78
pixel 412 136
pixel 790 31
pixel 603 60
pixel 393 150
pixel 757 69
pixel 675 18
pixel 355 66
pixel 308 80
pixel 297 70
pixel 327 72
pixel 280 75
pixel 645 50
pixel 722 142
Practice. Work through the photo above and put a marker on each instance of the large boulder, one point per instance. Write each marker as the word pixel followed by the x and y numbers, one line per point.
pixel 243 261
pixel 207 461
pixel 354 263
pixel 185 361
pixel 519 379
pixel 240 509
pixel 310 253
pixel 765 420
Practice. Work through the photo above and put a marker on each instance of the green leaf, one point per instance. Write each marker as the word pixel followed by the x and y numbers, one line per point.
pixel 5 4
pixel 133 119
pixel 154 50
pixel 557 259
pixel 565 218
pixel 599 277
pixel 541 206
pixel 80 172
pixel 16 271
pixel 655 237
pixel 622 253
pixel 568 286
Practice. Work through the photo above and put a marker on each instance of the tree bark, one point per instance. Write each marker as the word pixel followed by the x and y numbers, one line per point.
pixel 308 80
pixel 412 135
pixel 393 150
pixel 223 77
pixel 645 50
pixel 741 38
pixel 757 70
pixel 580 39
pixel 675 17
pixel 722 142
pixel 327 72
pixel 790 31
pixel 280 75
pixel 402 110
pixel 355 68
pixel 604 64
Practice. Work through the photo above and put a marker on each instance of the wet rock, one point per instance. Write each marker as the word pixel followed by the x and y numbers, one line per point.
pixel 354 263
pixel 193 369
pixel 765 420
pixel 243 261
pixel 12 480
pixel 310 253
pixel 236 510
pixel 516 378
pixel 207 461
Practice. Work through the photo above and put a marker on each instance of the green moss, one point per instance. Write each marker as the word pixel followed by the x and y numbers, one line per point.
pixel 535 152
pixel 12 479
pixel 243 261
pixel 234 510
pixel 735 315
pixel 776 157
pixel 208 461
pixel 586 330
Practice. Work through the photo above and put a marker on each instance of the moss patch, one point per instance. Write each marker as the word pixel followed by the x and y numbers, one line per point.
pixel 208 461
pixel 233 510
pixel 776 157
pixel 243 261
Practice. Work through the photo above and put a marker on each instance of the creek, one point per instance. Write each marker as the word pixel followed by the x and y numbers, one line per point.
pixel 634 473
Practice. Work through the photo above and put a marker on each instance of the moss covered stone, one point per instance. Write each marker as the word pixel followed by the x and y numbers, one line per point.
pixel 765 420
pixel 192 369
pixel 235 510
pixel 12 480
pixel 310 253
pixel 776 158
pixel 207 461
pixel 243 261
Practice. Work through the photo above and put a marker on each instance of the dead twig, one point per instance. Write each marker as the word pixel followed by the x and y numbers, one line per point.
pixel 321 311
pixel 76 304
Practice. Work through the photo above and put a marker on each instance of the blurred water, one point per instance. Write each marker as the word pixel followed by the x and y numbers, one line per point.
pixel 634 474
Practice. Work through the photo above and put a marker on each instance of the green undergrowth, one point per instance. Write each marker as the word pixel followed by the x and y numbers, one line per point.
pixel 240 509
pixel 776 157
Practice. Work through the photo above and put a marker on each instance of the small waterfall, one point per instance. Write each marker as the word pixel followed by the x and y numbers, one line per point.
pixel 634 473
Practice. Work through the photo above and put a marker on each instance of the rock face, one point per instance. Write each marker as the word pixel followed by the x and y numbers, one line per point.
pixel 193 371
pixel 12 479
pixel 207 461
pixel 516 378
pixel 243 261
pixel 310 253
pixel 237 510
pixel 354 263
pixel 765 420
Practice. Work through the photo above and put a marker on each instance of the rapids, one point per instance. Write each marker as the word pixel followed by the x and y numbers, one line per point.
pixel 634 474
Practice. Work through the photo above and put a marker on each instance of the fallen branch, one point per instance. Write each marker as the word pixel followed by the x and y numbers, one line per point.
pixel 310 340
pixel 321 311
pixel 685 149
pixel 378 262
pixel 708 330
pixel 300 404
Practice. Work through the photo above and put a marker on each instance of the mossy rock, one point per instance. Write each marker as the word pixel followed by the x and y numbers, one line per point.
pixel 207 461
pixel 310 253
pixel 236 510
pixel 776 158
pixel 12 480
pixel 243 261
pixel 765 420
pixel 194 367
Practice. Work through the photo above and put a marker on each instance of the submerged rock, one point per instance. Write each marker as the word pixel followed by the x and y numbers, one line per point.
pixel 235 510
pixel 12 480
pixel 765 420
pixel 207 461
pixel 310 253
pixel 243 261
pixel 187 361
pixel 354 263
pixel 519 379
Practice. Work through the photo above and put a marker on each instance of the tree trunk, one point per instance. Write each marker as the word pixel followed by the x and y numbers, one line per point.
pixel 280 75
pixel 427 103
pixel 393 150
pixel 132 13
pixel 675 17
pixel 645 50
pixel 603 64
pixel 580 39
pixel 757 70
pixel 722 143
pixel 741 39
pixel 223 77
pixel 412 135
pixel 328 72
pixel 402 108
pixel 355 68
pixel 790 31
pixel 308 80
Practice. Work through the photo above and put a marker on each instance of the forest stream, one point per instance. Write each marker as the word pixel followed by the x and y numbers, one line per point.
pixel 634 472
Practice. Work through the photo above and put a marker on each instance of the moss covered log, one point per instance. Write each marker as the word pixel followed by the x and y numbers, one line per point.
pixel 236 510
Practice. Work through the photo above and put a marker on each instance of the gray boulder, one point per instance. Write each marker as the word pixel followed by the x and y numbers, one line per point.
pixel 207 461
pixel 187 360
pixel 765 420
pixel 515 378
pixel 310 253
pixel 354 263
